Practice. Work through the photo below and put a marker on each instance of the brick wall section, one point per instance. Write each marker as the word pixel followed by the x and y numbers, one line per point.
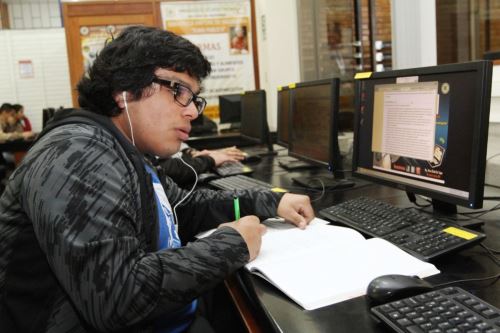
pixel 446 31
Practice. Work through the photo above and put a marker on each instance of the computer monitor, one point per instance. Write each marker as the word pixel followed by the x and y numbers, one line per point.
pixel 230 110
pixel 254 126
pixel 314 123
pixel 283 116
pixel 314 132
pixel 425 131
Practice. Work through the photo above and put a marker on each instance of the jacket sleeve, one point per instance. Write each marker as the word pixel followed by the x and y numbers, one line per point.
pixel 205 209
pixel 182 174
pixel 83 200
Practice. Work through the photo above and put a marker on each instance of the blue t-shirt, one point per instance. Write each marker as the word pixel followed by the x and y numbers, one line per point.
pixel 177 321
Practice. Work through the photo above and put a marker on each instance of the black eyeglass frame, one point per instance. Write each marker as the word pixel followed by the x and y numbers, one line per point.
pixel 174 86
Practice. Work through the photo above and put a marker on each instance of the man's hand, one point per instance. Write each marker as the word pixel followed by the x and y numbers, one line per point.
pixel 297 209
pixel 251 230
pixel 231 154
pixel 234 152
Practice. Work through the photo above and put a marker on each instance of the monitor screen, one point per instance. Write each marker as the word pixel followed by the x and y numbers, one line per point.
pixel 424 130
pixel 230 108
pixel 254 116
pixel 283 115
pixel 313 129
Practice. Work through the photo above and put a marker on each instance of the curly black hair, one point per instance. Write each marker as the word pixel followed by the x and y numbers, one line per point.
pixel 128 63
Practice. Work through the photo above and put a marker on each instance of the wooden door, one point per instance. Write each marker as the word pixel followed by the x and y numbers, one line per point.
pixel 86 23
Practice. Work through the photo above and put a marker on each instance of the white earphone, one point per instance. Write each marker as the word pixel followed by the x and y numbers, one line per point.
pixel 124 95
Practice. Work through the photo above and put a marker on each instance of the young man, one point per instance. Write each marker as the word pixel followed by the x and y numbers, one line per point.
pixel 88 239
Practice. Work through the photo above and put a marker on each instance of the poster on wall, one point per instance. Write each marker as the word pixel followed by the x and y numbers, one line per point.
pixel 222 30
pixel 26 69
pixel 94 38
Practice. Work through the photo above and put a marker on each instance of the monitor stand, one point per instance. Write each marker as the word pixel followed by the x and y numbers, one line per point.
pixel 234 128
pixel 328 182
pixel 295 165
pixel 449 211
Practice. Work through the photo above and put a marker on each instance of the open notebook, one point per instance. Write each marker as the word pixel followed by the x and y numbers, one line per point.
pixel 326 264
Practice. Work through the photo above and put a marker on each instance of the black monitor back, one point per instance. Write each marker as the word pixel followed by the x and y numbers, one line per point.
pixel 230 108
pixel 313 129
pixel 254 117
pixel 283 116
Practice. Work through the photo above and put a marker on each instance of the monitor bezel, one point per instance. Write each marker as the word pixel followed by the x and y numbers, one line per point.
pixel 480 131
pixel 334 158
pixel 264 139
pixel 278 125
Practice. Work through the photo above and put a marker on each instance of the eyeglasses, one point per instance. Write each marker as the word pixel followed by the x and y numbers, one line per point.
pixel 182 94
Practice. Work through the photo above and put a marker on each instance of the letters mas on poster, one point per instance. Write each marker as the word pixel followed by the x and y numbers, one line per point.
pixel 222 30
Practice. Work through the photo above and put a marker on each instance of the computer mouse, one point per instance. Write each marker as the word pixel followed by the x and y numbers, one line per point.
pixel 206 177
pixel 252 159
pixel 388 288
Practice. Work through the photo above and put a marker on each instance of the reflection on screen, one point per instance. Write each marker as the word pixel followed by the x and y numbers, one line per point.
pixel 311 122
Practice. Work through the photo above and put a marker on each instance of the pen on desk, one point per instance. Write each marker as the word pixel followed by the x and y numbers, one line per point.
pixel 236 202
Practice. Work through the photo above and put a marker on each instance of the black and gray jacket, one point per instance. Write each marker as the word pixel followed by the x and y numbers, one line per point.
pixel 78 235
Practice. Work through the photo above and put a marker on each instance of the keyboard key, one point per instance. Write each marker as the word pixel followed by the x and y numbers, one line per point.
pixel 457 317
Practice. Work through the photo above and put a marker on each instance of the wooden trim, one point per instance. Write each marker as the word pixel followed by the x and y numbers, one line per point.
pixel 4 13
pixel 254 45
pixel 244 310
pixel 93 9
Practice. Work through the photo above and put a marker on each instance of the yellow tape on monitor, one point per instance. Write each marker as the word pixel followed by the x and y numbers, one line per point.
pixel 362 75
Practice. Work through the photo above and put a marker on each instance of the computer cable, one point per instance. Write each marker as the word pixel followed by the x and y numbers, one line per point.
pixel 190 191
pixel 483 212
pixel 495 251
pixel 322 189
pixel 413 199
pixel 495 278
pixel 491 254
pixel 491 198
pixel 492 156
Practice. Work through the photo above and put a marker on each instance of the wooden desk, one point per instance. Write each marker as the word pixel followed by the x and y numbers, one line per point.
pixel 266 309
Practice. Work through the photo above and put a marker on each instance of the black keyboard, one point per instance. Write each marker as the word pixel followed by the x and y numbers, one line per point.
pixel 232 168
pixel 450 310
pixel 239 182
pixel 421 235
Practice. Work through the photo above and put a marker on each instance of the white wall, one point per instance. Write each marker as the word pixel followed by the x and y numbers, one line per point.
pixel 278 49
pixel 495 95
pixel 50 84
pixel 413 33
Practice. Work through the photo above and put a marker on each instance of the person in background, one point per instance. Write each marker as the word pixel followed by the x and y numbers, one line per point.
pixel 21 118
pixel 8 125
pixel 92 236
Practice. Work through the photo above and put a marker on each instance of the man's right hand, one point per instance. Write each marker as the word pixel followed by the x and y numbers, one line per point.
pixel 251 230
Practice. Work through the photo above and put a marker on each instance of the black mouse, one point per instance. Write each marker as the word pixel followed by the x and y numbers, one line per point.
pixel 252 159
pixel 388 288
